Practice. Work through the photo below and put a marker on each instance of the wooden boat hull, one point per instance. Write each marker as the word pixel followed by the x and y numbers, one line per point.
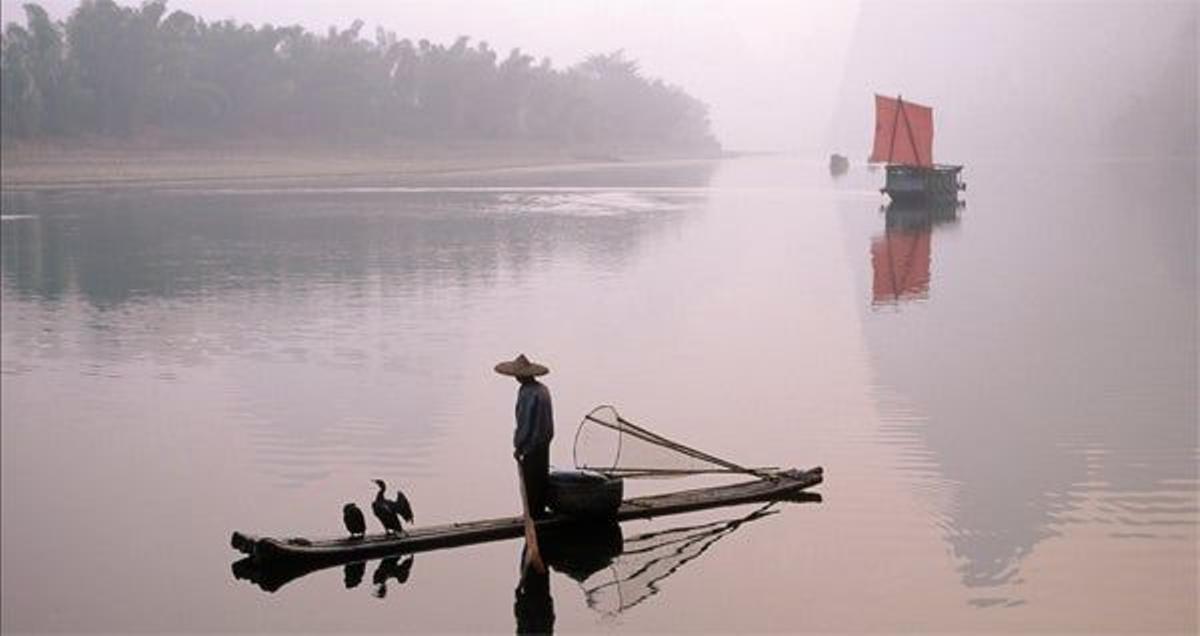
pixel 917 185
pixel 309 554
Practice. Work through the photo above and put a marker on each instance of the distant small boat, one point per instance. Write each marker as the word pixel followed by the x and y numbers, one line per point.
pixel 904 141
pixel 838 164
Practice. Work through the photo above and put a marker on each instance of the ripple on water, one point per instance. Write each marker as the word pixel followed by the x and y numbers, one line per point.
pixel 588 203
pixel 357 444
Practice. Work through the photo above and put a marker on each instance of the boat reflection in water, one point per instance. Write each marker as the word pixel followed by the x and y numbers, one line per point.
pixel 616 581
pixel 901 258
pixel 614 572
pixel 270 578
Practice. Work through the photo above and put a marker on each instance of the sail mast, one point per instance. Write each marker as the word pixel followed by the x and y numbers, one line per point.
pixel 895 120
pixel 907 126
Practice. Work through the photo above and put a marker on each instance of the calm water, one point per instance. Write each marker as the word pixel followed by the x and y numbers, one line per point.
pixel 1003 396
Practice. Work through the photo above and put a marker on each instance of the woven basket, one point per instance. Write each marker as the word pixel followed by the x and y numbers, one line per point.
pixel 582 493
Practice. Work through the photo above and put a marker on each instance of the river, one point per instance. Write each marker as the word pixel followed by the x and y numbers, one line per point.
pixel 1002 394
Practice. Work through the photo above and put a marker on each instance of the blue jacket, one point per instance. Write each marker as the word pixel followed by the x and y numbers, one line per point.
pixel 535 418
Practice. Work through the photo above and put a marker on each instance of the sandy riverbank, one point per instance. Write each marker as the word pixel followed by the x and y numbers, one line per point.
pixel 98 165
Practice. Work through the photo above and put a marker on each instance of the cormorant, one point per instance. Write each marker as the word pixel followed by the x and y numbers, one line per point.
pixel 356 524
pixel 384 510
pixel 402 507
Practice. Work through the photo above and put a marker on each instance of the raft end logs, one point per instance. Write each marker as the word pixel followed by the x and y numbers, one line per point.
pixel 243 543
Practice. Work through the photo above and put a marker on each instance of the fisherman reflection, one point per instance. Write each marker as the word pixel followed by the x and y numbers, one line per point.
pixel 390 568
pixel 352 574
pixel 533 606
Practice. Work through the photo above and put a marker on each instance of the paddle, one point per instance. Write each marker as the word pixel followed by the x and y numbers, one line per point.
pixel 533 556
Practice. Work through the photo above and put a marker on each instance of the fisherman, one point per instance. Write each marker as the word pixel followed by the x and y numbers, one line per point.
pixel 535 429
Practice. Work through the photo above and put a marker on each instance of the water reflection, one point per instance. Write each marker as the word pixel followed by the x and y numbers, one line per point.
pixel 1051 389
pixel 112 248
pixel 389 569
pixel 340 292
pixel 616 573
pixel 352 574
pixel 633 573
pixel 533 603
pixel 902 256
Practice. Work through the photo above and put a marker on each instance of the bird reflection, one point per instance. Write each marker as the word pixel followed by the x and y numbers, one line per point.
pixel 352 574
pixel 390 568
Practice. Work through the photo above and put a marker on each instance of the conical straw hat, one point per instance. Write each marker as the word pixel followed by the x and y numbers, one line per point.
pixel 521 367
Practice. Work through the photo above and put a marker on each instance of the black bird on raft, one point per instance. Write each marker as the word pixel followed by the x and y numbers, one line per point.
pixel 356 524
pixel 385 510
pixel 402 507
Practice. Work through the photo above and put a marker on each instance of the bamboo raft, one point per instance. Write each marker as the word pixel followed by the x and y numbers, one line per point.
pixel 305 555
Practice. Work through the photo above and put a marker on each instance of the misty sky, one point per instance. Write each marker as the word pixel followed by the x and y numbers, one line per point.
pixel 755 62
pixel 791 75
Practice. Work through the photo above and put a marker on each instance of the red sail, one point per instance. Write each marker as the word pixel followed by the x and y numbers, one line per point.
pixel 903 132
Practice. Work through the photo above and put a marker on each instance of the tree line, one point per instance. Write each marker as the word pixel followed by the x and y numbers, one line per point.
pixel 114 71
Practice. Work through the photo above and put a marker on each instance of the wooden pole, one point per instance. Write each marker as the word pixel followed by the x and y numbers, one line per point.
pixel 533 555
pixel 895 120
pixel 912 140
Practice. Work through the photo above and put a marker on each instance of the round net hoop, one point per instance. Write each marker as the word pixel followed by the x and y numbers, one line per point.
pixel 608 443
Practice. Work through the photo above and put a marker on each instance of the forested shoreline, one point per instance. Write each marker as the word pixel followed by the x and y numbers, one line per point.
pixel 121 73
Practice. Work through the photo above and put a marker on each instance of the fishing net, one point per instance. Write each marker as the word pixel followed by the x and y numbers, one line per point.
pixel 607 443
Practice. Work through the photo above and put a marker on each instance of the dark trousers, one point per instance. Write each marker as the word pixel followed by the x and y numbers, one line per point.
pixel 536 470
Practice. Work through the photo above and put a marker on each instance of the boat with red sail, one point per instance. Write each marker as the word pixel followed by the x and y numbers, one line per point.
pixel 904 141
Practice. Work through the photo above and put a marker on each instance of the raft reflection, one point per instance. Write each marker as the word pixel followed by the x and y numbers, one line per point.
pixel 616 573
pixel 615 582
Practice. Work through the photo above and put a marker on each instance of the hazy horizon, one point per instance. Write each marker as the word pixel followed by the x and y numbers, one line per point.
pixel 1004 78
